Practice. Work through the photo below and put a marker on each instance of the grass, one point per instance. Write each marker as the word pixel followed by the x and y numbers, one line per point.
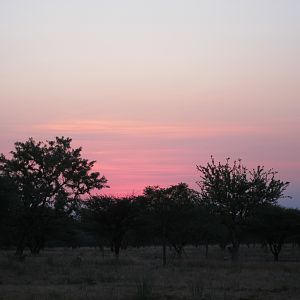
pixel 144 289
pixel 63 274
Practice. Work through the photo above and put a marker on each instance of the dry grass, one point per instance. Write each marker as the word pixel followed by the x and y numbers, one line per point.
pixel 62 274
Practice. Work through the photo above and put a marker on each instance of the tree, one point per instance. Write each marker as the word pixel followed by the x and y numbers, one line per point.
pixel 170 213
pixel 274 225
pixel 233 193
pixel 44 175
pixel 111 218
pixel 184 211
pixel 9 203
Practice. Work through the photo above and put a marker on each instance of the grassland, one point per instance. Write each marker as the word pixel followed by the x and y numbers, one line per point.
pixel 85 273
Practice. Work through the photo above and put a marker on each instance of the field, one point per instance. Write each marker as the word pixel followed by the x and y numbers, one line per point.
pixel 87 273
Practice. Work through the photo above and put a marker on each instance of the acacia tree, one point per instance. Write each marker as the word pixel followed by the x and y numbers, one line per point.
pixel 44 173
pixel 170 213
pixel 110 218
pixel 184 211
pixel 233 193
pixel 274 225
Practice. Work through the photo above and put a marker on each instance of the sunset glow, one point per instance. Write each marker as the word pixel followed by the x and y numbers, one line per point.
pixel 150 89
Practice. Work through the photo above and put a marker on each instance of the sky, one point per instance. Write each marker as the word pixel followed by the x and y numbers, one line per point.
pixel 150 89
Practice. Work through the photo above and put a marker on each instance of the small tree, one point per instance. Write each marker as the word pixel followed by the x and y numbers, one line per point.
pixel 158 212
pixel 233 193
pixel 182 223
pixel 274 225
pixel 111 218
pixel 41 172
pixel 170 215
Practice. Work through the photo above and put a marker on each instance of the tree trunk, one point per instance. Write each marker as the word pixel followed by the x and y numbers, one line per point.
pixel 20 247
pixel 36 245
pixel 35 250
pixel 164 254
pixel 164 247
pixel 179 250
pixel 117 247
pixel 234 250
pixel 276 256
pixel 275 249
pixel 117 252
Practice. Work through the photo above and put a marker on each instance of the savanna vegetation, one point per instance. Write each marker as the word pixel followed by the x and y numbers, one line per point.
pixel 61 238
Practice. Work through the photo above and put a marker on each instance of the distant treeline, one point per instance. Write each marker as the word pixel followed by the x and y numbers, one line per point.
pixel 44 201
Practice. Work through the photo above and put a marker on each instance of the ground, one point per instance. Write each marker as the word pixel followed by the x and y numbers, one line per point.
pixel 84 273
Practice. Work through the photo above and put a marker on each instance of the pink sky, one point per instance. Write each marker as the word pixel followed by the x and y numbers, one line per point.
pixel 150 89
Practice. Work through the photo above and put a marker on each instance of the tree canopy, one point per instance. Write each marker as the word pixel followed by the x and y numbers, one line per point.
pixel 233 193
pixel 47 175
pixel 46 197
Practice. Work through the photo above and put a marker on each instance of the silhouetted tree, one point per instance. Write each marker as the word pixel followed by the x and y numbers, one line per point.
pixel 233 193
pixel 9 203
pixel 182 217
pixel 111 218
pixel 274 225
pixel 159 211
pixel 170 214
pixel 46 174
pixel 209 229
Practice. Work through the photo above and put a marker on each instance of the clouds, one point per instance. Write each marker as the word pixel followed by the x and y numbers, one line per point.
pixel 151 88
pixel 146 128
pixel 135 153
